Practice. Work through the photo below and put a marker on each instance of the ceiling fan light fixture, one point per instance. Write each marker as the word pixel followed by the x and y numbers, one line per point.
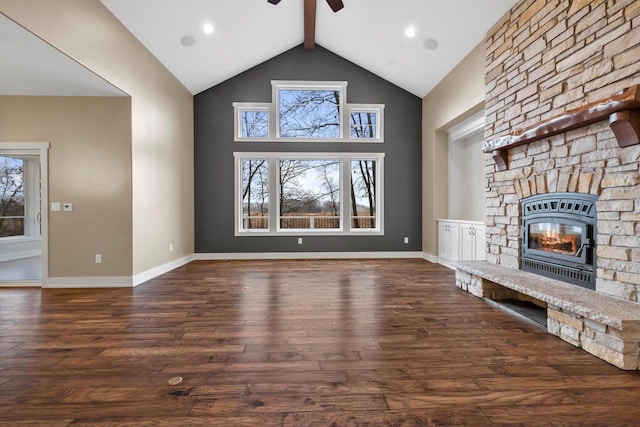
pixel 335 5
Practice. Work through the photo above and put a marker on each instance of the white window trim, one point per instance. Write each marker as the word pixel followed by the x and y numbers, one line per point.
pixel 274 122
pixel 240 107
pixel 378 110
pixel 345 199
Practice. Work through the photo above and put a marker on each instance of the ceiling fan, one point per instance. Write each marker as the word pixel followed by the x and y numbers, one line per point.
pixel 310 19
pixel 335 5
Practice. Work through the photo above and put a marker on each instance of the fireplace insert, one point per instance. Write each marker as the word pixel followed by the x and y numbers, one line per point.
pixel 558 237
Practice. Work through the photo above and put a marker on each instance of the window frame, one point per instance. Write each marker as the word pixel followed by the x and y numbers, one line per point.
pixel 273 123
pixel 274 159
pixel 31 196
pixel 378 110
pixel 241 107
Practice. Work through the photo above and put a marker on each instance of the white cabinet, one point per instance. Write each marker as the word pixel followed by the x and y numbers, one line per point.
pixel 460 241
pixel 472 241
pixel 448 240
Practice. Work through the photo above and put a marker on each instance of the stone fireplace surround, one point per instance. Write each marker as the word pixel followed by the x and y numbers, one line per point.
pixel 586 160
pixel 544 58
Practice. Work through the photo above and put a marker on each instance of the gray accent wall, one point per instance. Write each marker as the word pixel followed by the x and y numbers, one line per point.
pixel 214 148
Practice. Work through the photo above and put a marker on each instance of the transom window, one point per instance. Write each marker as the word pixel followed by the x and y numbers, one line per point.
pixel 308 193
pixel 308 111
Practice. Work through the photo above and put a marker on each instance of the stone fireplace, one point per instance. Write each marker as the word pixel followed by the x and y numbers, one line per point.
pixel 544 59
pixel 555 72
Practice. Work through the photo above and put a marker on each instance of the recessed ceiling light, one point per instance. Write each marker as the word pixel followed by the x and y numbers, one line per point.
pixel 410 32
pixel 207 28
pixel 430 44
pixel 188 41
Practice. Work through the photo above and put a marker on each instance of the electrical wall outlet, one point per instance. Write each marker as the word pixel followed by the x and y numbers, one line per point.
pixel 406 240
pixel 299 240
pixel 170 247
pixel 98 259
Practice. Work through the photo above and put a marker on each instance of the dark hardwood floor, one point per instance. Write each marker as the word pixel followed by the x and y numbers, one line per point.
pixel 294 343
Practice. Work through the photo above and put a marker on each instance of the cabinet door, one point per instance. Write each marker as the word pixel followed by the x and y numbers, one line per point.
pixel 472 242
pixel 444 238
pixel 467 242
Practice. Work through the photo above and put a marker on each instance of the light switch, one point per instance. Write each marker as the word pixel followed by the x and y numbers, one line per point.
pixel 55 206
pixel 67 207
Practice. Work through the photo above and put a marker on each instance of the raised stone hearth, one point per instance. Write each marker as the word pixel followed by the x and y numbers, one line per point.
pixel 604 326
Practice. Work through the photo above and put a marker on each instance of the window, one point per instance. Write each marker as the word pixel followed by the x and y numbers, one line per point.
pixel 308 111
pixel 254 123
pixel 314 193
pixel 255 194
pixel 364 124
pixel 309 194
pixel 12 200
pixel 363 194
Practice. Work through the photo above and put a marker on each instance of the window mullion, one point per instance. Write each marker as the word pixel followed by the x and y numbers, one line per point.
pixel 345 194
pixel 274 188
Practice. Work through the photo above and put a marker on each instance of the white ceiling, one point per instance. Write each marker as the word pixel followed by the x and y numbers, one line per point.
pixel 369 33
pixel 29 66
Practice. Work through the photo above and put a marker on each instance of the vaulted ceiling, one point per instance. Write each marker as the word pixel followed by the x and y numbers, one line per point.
pixel 370 33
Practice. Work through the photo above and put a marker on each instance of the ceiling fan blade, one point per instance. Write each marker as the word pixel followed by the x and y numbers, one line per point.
pixel 335 5
pixel 274 1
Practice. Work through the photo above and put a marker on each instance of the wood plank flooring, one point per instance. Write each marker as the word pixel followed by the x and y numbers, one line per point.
pixel 294 343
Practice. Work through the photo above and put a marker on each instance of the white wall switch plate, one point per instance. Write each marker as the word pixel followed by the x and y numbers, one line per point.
pixel 67 207
pixel 55 206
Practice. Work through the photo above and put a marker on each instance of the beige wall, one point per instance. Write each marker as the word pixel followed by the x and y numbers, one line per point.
pixel 90 166
pixel 162 118
pixel 459 95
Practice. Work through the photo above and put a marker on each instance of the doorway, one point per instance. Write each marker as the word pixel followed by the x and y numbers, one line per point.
pixel 23 214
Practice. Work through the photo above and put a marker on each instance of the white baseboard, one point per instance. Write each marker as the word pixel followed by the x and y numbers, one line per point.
pixel 161 269
pixel 112 282
pixel 431 258
pixel 306 255
pixel 87 282
pixel 137 279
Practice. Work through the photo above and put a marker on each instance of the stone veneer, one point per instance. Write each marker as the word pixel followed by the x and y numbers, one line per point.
pixel 546 57
pixel 543 58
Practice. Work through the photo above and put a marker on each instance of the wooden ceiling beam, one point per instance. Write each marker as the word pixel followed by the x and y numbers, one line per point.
pixel 309 24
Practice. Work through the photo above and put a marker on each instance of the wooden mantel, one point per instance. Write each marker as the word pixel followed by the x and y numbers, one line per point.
pixel 622 109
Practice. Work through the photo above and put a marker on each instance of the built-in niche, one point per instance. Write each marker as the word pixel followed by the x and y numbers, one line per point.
pixel 465 178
